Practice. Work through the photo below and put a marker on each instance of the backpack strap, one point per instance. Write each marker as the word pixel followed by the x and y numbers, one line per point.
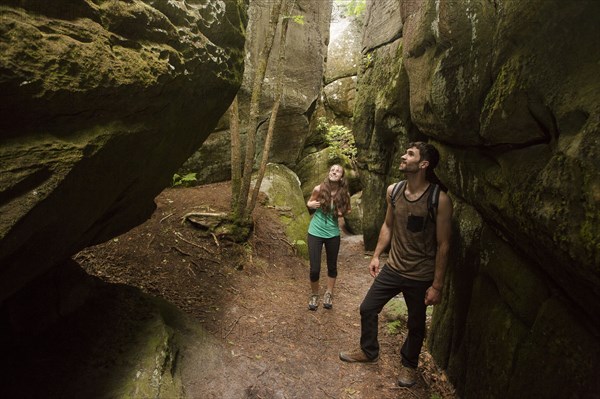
pixel 397 188
pixel 433 201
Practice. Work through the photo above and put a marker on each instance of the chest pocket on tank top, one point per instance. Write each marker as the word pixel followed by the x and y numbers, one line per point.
pixel 415 224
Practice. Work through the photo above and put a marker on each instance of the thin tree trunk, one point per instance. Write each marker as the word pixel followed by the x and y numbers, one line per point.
pixel 236 154
pixel 274 111
pixel 254 111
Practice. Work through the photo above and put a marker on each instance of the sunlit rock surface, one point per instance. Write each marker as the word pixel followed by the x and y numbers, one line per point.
pixel 303 66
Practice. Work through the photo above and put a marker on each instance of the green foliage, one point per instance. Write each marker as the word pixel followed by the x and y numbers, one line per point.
pixel 368 60
pixel 395 327
pixel 395 313
pixel 185 180
pixel 353 8
pixel 339 139
pixel 299 19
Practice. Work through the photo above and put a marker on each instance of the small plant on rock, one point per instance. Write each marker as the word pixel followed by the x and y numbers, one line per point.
pixel 186 180
pixel 339 138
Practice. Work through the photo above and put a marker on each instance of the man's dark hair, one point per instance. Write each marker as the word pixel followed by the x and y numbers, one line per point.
pixel 427 152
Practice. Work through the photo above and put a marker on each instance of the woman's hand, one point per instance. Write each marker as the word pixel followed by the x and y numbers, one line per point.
pixel 313 204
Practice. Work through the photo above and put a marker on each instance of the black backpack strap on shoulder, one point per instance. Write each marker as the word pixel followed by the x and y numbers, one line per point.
pixel 433 201
pixel 397 188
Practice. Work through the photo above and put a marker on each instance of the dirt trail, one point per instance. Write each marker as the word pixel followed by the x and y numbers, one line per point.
pixel 253 299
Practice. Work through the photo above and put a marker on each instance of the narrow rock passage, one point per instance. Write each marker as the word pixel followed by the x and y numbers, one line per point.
pixel 252 298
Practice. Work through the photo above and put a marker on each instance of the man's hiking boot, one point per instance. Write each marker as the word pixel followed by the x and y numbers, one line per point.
pixel 328 300
pixel 313 302
pixel 356 356
pixel 407 377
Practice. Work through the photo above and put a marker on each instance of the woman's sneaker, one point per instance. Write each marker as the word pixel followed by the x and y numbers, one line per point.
pixel 313 302
pixel 328 300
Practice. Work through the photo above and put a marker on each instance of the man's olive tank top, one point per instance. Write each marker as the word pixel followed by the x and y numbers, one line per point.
pixel 414 242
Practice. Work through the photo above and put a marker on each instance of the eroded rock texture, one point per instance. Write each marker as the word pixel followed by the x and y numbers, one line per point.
pixel 100 102
pixel 509 92
pixel 306 49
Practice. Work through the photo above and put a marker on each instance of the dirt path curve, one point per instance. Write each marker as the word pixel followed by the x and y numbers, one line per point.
pixel 263 341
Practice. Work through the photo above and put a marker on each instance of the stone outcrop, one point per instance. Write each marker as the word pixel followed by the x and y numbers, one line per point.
pixel 515 112
pixel 343 60
pixel 282 187
pixel 121 343
pixel 101 101
pixel 306 49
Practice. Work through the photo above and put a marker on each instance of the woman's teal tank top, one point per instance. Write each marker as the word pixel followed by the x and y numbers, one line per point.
pixel 324 225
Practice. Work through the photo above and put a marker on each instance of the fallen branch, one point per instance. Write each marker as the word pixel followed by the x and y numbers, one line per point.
pixel 232 327
pixel 207 214
pixel 191 270
pixel 189 242
pixel 150 242
pixel 216 239
pixel 211 260
pixel 180 251
pixel 326 393
pixel 166 217
pixel 286 241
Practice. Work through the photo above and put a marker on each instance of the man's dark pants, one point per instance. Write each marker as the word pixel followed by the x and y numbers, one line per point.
pixel 387 285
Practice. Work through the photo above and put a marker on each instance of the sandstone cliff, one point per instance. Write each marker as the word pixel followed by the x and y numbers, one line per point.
pixel 100 102
pixel 509 93
pixel 306 50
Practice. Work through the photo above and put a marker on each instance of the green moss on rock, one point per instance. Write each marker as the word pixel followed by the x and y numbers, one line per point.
pixel 282 188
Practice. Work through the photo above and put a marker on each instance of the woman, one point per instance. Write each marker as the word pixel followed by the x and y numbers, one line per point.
pixel 331 200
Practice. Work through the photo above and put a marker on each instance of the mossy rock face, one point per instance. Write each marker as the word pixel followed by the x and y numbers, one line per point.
pixel 492 334
pixel 120 344
pixel 516 122
pixel 518 283
pixel 381 125
pixel 313 169
pixel 448 326
pixel 558 345
pixel 501 315
pixel 101 103
pixel 354 219
pixel 282 188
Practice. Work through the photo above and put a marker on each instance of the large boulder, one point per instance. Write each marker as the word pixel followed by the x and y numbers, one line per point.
pixel 122 343
pixel 517 122
pixel 101 102
pixel 282 188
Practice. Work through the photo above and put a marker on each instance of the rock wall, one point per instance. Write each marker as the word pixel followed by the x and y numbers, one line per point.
pixel 343 60
pixel 282 189
pixel 515 112
pixel 100 102
pixel 306 50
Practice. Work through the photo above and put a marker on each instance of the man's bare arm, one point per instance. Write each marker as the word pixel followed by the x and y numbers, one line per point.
pixel 385 234
pixel 443 234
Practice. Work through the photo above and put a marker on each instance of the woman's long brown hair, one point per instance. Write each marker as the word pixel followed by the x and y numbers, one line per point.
pixel 341 200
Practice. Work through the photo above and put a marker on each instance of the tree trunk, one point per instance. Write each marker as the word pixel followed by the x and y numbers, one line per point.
pixel 254 111
pixel 274 111
pixel 236 155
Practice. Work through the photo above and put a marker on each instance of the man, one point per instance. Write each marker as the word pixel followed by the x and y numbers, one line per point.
pixel 416 264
